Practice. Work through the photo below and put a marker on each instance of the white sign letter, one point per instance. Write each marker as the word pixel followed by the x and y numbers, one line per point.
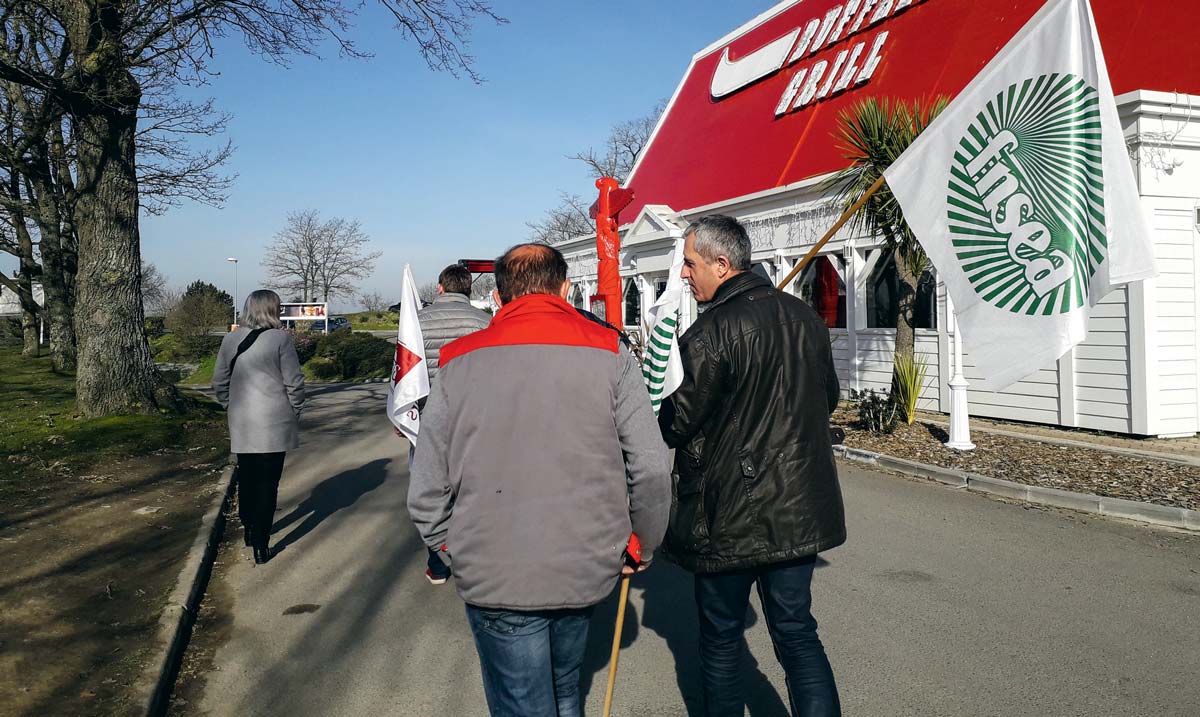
pixel 810 87
pixel 785 102
pixel 873 59
pixel 851 68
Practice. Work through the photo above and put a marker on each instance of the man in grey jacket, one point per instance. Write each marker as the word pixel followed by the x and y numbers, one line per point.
pixel 450 317
pixel 538 456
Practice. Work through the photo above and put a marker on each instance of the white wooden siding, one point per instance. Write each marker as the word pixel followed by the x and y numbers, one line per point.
pixel 1174 353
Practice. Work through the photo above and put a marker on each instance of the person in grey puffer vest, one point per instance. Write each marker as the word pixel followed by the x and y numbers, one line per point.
pixel 450 317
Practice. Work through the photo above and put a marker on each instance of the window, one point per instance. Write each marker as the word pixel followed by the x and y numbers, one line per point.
pixel 823 289
pixel 660 286
pixel 577 296
pixel 633 303
pixel 883 297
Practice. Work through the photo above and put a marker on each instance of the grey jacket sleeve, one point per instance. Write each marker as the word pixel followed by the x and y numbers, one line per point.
pixel 221 375
pixel 430 499
pixel 293 377
pixel 647 460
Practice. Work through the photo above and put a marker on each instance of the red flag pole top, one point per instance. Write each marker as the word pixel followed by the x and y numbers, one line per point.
pixel 608 245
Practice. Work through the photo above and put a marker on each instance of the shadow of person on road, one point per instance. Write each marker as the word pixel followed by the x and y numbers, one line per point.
pixel 330 495
pixel 670 612
pixel 599 641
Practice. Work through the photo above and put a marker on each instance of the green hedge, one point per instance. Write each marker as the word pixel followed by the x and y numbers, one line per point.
pixel 349 356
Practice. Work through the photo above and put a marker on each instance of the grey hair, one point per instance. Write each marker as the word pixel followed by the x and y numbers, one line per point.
pixel 719 235
pixel 262 310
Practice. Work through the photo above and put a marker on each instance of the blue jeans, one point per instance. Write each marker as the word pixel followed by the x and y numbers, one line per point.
pixel 783 590
pixel 530 660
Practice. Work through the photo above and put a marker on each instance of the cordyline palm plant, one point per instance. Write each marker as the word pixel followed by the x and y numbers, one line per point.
pixel 873 134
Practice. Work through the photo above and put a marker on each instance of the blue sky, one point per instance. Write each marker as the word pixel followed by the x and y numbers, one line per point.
pixel 435 168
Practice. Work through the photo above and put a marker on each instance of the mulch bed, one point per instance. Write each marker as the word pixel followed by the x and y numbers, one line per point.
pixel 1032 462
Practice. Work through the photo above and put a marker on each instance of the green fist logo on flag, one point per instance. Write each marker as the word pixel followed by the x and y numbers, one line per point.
pixel 1023 196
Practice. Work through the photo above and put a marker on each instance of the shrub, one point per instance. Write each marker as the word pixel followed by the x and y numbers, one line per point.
pixel 322 368
pixel 156 326
pixel 876 411
pixel 909 380
pixel 306 346
pixel 364 319
pixel 199 347
pixel 357 355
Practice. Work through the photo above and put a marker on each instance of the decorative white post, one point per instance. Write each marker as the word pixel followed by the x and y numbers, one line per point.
pixel 960 427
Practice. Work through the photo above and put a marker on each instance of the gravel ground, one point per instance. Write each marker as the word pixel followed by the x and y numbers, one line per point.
pixel 1032 462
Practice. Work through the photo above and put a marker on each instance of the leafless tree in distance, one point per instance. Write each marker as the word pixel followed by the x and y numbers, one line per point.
pixel 373 301
pixel 427 292
pixel 568 220
pixel 622 148
pixel 319 259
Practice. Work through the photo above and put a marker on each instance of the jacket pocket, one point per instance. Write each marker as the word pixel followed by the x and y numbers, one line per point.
pixel 502 622
pixel 688 527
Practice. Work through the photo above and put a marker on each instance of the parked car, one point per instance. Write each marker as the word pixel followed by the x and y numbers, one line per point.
pixel 336 323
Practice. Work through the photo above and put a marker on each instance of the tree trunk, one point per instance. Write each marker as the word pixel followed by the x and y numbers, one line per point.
pixel 31 344
pixel 56 264
pixel 116 373
pixel 905 302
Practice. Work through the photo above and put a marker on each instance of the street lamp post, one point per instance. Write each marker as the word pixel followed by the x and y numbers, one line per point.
pixel 235 289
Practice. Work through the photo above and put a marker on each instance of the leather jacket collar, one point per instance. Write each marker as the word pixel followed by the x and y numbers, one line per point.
pixel 736 286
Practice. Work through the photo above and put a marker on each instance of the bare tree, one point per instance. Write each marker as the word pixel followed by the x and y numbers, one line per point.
pixel 568 220
pixel 91 63
pixel 373 301
pixel 319 259
pixel 624 144
pixel 154 290
pixel 427 292
pixel 343 258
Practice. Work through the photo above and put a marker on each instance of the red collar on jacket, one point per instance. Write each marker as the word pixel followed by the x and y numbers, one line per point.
pixel 534 319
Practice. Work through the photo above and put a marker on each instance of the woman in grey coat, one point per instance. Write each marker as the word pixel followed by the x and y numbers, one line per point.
pixel 258 380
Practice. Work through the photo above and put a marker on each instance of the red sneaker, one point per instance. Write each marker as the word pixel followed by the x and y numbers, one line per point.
pixel 433 580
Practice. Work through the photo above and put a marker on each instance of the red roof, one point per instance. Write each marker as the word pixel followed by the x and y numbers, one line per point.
pixel 709 149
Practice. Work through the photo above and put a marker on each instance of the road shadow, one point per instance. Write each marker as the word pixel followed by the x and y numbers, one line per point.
pixel 669 611
pixel 331 495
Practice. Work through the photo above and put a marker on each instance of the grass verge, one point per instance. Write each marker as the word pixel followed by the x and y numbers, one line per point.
pixel 96 517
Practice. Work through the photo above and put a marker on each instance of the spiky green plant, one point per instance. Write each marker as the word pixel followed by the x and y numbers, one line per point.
pixel 908 379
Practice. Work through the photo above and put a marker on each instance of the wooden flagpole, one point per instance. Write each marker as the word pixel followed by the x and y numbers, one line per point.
pixel 812 253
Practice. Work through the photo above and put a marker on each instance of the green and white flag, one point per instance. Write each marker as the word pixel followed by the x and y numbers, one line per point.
pixel 1023 195
pixel 661 367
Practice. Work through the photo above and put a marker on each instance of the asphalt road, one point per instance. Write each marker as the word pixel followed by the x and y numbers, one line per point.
pixel 942 603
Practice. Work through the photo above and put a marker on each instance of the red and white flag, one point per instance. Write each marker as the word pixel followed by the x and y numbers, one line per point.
pixel 410 376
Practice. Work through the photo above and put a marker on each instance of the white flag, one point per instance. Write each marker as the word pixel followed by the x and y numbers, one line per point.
pixel 662 368
pixel 1023 195
pixel 410 375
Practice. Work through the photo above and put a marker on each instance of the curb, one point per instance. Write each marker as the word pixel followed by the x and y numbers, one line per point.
pixel 1168 516
pixel 175 625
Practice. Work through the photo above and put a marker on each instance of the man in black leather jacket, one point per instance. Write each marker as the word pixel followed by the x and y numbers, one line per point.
pixel 756 494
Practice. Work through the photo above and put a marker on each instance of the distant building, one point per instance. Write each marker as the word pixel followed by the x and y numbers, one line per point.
pixel 10 303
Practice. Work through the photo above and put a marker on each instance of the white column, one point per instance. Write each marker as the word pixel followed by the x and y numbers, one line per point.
pixel 960 427
pixel 853 261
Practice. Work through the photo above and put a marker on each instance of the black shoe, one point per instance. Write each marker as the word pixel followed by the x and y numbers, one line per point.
pixel 246 538
pixel 261 555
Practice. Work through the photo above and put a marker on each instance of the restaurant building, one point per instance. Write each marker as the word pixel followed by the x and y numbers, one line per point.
pixel 750 132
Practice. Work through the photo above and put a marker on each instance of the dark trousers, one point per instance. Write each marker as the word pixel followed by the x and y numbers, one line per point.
pixel 530 660
pixel 258 489
pixel 784 591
